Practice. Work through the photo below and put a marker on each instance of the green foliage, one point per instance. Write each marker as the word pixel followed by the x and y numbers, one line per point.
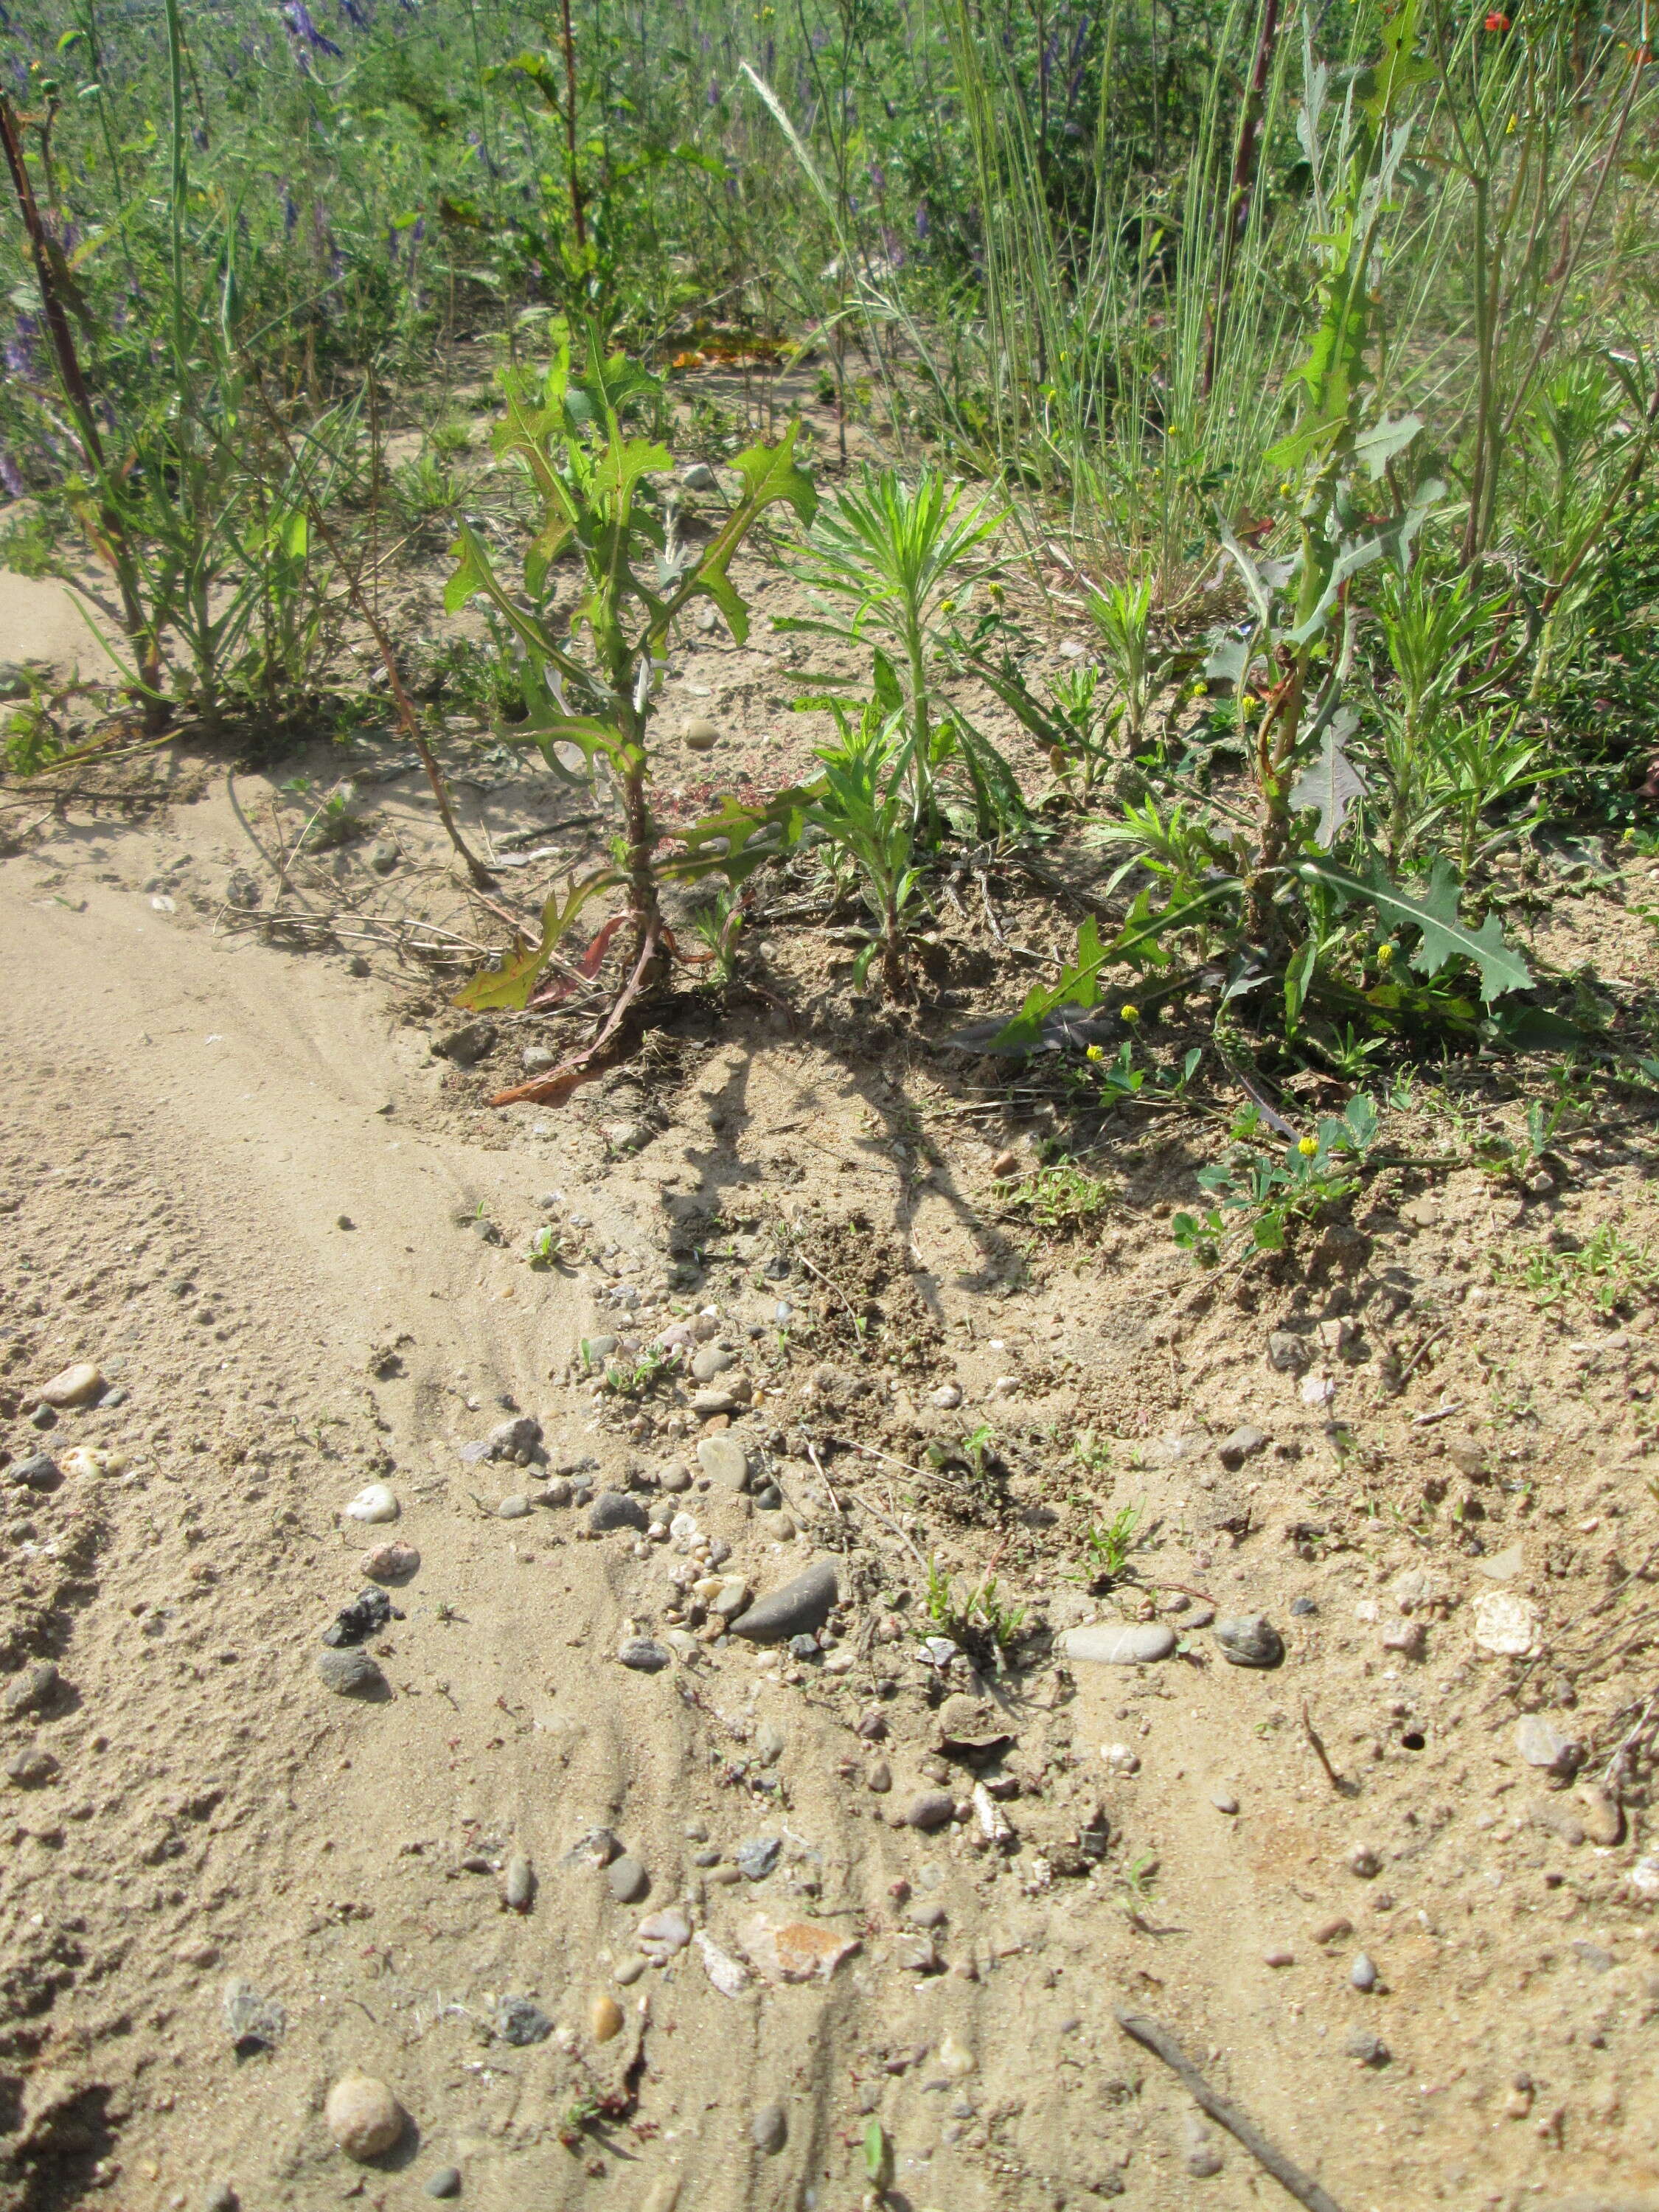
pixel 1064 1199
pixel 866 810
pixel 1110 1547
pixel 979 1619
pixel 1254 1195
pixel 1608 1271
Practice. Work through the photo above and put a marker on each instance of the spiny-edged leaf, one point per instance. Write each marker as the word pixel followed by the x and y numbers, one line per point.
pixel 509 987
pixel 1138 940
pixel 735 839
pixel 625 461
pixel 1400 69
pixel 1228 660
pixel 1255 583
pixel 1011 687
pixel 1445 935
pixel 770 473
pixel 472 573
pixel 1332 782
pixel 1376 447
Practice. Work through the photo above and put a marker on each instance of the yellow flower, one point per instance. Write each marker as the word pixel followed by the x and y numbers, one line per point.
pixel 1129 1013
pixel 947 606
pixel 1385 953
pixel 1307 1146
pixel 1096 1052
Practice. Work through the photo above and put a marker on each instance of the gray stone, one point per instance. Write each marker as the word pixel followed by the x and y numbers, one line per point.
pixel 699 477
pixel 614 1509
pixel 518 1883
pixel 465 1045
pixel 600 1347
pixel 1369 2050
pixel 27 1693
pixel 1223 1800
pixel 516 1438
pixel 1286 1352
pixel 947 1397
pixel 628 1879
pixel 676 1476
pixel 1204 2158
pixel 38 1470
pixel 1250 1639
pixel 520 2021
pixel 516 1508
pixel 796 1610
pixel 254 2022
pixel 1245 1443
pixel 1363 1973
pixel 349 1673
pixel 43 1417
pixel 30 1768
pixel 1542 1744
pixel 383 857
pixel 769 1741
pixel 1109 1644
pixel 769 2129
pixel 704 1403
pixel 446 2182
pixel 931 1809
pixel 1602 1817
pixel 711 1361
pixel 645 1655
pixel 756 1859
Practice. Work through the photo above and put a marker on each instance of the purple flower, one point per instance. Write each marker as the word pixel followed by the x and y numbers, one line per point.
pixel 877 177
pixel 1078 42
pixel 10 475
pixel 923 222
pixel 298 17
pixel 714 92
pixel 416 235
pixel 355 15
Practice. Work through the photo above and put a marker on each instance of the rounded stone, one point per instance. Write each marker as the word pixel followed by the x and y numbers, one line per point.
pixel 1250 1639
pixel 1542 1744
pixel 75 1386
pixel 391 1562
pixel 1108 1643
pixel 376 1502
pixel 349 1673
pixel 614 1509
pixel 930 1809
pixel 1363 1973
pixel 947 1397
pixel 711 1361
pixel 363 2116
pixel 605 2019
pixel 795 1609
pixel 675 1477
pixel 518 1883
pixel 446 2182
pixel 769 2129
pixel 628 1879
pixel 645 1655
pixel 701 735
pixel 516 1508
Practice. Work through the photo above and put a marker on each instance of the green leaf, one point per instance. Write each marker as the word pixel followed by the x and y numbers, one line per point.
pixel 1330 783
pixel 509 987
pixel 735 839
pixel 472 572
pixel 1444 936
pixel 1376 447
pixel 877 2156
pixel 1078 986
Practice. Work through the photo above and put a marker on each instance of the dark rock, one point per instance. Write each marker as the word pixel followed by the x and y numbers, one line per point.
pixel 756 1858
pixel 614 1509
pixel 518 2021
pixel 349 1673
pixel 31 1690
pixel 933 1808
pixel 515 1439
pixel 1243 1444
pixel 40 1471
pixel 366 1616
pixel 466 1044
pixel 796 1610
pixel 446 2182
pixel 1250 1639
pixel 30 1768
pixel 645 1655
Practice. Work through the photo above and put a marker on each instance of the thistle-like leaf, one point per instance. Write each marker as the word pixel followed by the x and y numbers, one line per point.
pixel 1331 783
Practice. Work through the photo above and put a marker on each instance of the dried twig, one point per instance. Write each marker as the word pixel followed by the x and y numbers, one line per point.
pixel 1285 2171
pixel 1320 1752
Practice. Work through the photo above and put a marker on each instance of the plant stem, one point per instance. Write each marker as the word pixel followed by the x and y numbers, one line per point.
pixel 578 221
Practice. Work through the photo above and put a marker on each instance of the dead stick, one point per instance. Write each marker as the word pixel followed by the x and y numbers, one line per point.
pixel 1320 1752
pixel 1289 2176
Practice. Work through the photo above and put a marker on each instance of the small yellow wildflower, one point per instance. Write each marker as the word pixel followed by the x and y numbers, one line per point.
pixel 1385 953
pixel 1307 1146
pixel 1129 1013
pixel 947 606
pixel 1096 1052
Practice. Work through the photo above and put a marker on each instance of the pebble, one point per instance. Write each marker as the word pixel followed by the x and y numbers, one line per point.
pixel 1330 1931
pixel 1006 1165
pixel 725 1596
pixel 1203 2157
pixel 363 2116
pixel 38 1471
pixel 955 2057
pixel 614 1509
pixel 518 1883
pixel 605 2019
pixel 702 736
pixel 1506 1624
pixel 628 1879
pixel 756 1858
pixel 1243 1444
pixel 30 1768
pixel 1369 2050
pixel 1278 1958
pixel 728 1975
pixel 697 476
pixel 366 1616
pixel 1364 1860
pixel 660 1934
pixel 1410 1638
pixel 516 1508
pixel 1603 1820
pixel 75 1386
pixel 795 1609
pixel 349 1673
pixel 645 1655
pixel 1540 1744
pixel 1223 1800
pixel 391 1562
pixel 675 1477
pixel 707 1402
pixel 714 1360
pixel 1111 1645
pixel 626 1136
pixel 1286 1352
pixel 1250 1639
pixel 446 2182
pixel 521 2023
pixel 465 1045
pixel 930 1809
pixel 879 1777
pixel 1363 1973
pixel 34 1687
pixel 769 2129
pixel 947 1397
pixel 374 1503
pixel 769 1743
pixel 628 1970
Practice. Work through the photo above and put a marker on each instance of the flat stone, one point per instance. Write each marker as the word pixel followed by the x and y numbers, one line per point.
pixel 1250 1639
pixel 363 2116
pixel 947 1397
pixel 645 1655
pixel 1502 1566
pixel 660 1934
pixel 793 1950
pixel 521 2022
pixel 1506 1623
pixel 349 1673
pixel 465 1045
pixel 75 1386
pixel 706 1403
pixel 614 1509
pixel 1244 1443
pixel 1542 1744
pixel 724 1458
pixel 1286 1353
pixel 1108 1643
pixel 711 1361
pixel 769 2129
pixel 929 1810
pixel 757 1857
pixel 628 1879
pixel 796 1608
pixel 36 1471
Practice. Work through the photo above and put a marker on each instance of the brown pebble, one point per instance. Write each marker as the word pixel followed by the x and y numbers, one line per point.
pixel 391 1562
pixel 1328 1930
pixel 1279 1958
pixel 1006 1165
pixel 605 2019
pixel 363 2116
pixel 931 1809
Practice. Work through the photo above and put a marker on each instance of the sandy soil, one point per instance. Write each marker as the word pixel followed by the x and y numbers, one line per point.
pixel 294 1240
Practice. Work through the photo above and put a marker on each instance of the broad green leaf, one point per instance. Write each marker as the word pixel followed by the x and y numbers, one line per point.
pixel 473 573
pixel 509 987
pixel 1376 447
pixel 1332 782
pixel 1445 935
pixel 735 839
pixel 1078 986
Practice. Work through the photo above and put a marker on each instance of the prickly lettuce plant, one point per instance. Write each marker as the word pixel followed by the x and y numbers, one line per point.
pixel 605 577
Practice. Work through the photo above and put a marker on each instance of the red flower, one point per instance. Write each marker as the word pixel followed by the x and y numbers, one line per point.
pixel 1498 21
